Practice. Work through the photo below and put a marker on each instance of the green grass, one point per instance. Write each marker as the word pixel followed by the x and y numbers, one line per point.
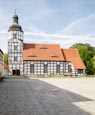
pixel 30 76
pixel 90 76
pixel 55 76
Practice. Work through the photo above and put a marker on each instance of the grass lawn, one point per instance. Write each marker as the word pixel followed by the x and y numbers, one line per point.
pixel 90 76
pixel 48 76
pixel 57 76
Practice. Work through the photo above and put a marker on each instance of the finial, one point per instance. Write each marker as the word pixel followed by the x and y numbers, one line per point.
pixel 15 18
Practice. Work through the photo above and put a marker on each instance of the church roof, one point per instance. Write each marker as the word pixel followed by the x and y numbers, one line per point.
pixel 73 56
pixel 15 27
pixel 50 52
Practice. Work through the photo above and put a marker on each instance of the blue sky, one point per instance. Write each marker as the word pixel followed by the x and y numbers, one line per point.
pixel 63 22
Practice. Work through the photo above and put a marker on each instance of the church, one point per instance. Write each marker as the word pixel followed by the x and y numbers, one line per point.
pixel 40 59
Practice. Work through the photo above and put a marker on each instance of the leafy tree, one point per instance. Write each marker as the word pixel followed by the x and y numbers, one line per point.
pixel 87 53
pixel 6 58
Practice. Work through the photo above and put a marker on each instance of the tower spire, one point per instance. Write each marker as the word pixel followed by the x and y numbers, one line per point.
pixel 15 18
pixel 15 26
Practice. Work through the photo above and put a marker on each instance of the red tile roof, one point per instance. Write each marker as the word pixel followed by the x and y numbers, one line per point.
pixel 50 52
pixel 73 56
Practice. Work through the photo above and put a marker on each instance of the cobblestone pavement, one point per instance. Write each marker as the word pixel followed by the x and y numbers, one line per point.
pixel 40 97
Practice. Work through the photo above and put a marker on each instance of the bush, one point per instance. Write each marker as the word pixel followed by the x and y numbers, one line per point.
pixel 1 79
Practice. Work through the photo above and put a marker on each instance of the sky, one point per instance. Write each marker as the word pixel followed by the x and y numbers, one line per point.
pixel 63 22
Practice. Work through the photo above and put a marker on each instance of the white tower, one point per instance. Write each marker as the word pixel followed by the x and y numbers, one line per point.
pixel 15 48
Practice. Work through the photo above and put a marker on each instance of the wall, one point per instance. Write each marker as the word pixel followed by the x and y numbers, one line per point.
pixel 66 68
pixel 15 48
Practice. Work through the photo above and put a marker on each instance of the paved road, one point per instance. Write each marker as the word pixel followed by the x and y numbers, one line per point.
pixel 45 97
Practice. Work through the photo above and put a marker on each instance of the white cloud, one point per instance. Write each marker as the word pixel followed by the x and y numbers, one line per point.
pixel 76 23
pixel 62 37
pixel 64 40
pixel 41 37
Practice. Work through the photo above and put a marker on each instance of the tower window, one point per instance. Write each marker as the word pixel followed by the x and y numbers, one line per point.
pixel 15 47
pixel 14 36
pixel 15 58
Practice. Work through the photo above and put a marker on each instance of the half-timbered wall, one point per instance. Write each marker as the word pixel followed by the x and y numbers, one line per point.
pixel 43 67
pixel 49 68
pixel 15 48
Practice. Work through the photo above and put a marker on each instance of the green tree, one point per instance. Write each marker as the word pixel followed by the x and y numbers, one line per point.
pixel 6 58
pixel 87 53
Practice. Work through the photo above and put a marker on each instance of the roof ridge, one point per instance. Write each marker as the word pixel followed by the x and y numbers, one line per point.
pixel 69 49
pixel 41 44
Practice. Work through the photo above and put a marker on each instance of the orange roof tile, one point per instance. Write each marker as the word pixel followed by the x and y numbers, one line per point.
pixel 50 52
pixel 73 56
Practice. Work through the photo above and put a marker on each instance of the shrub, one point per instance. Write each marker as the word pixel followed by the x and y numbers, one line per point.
pixel 1 79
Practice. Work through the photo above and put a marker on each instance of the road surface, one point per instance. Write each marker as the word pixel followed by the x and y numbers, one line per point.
pixel 47 96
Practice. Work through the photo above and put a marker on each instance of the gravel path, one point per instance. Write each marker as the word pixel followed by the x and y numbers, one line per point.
pixel 40 97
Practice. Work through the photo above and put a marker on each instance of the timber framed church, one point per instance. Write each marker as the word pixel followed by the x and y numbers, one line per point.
pixel 40 59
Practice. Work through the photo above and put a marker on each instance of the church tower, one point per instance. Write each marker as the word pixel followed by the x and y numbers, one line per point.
pixel 15 47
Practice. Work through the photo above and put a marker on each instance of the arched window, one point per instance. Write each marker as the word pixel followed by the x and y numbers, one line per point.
pixel 32 68
pixel 45 68
pixel 58 68
pixel 69 68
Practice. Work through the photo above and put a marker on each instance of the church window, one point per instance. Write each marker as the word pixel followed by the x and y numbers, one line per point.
pixel 80 71
pixel 57 68
pixel 69 68
pixel 32 68
pixel 45 68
